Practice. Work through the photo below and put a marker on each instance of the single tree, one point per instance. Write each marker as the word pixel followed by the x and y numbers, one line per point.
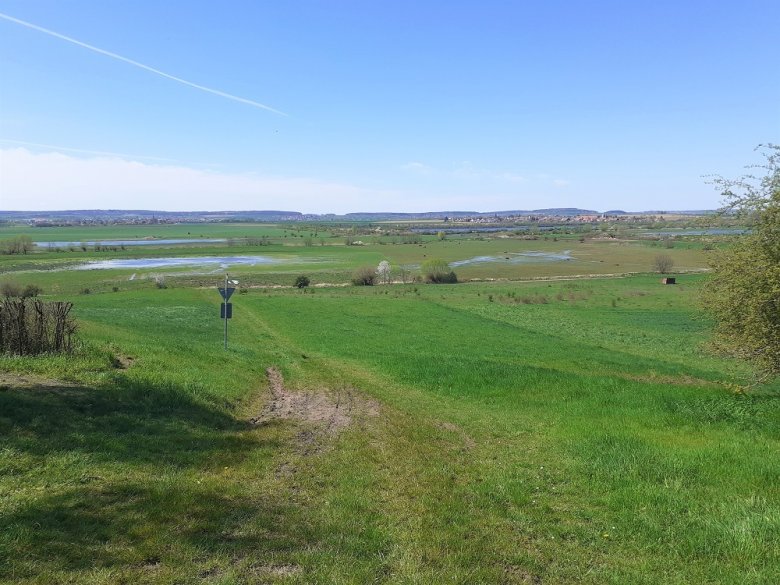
pixel 663 264
pixel 405 272
pixel 302 281
pixel 743 292
pixel 383 270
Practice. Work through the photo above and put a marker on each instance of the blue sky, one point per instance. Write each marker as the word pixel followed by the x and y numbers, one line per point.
pixel 385 106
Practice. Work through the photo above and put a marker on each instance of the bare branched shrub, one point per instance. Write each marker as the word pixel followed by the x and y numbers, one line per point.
pixel 406 274
pixel 364 276
pixel 29 326
pixel 663 264
pixel 10 290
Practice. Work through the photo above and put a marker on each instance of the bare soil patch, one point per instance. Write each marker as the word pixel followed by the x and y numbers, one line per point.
pixel 10 380
pixel 122 362
pixel 324 413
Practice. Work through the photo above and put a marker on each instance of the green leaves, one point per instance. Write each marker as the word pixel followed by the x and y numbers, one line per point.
pixel 743 294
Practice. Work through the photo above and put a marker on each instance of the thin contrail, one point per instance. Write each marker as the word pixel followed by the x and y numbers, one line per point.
pixel 141 65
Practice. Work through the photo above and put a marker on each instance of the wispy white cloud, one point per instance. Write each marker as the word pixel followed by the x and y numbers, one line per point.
pixel 561 182
pixel 53 180
pixel 87 151
pixel 106 53
pixel 33 180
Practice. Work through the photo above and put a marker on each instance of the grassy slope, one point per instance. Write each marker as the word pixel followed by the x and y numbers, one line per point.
pixel 572 441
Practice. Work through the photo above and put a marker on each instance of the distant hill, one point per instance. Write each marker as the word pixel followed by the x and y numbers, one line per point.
pixel 77 215
pixel 152 216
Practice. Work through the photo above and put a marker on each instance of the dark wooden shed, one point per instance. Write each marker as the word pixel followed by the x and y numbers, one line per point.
pixel 668 280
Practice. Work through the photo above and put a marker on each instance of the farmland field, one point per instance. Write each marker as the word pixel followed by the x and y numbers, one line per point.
pixel 530 429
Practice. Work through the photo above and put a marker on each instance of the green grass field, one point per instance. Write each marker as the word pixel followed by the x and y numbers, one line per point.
pixel 574 431
pixel 137 232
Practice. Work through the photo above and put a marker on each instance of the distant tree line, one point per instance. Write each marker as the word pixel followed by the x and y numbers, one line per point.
pixel 434 271
pixel 17 245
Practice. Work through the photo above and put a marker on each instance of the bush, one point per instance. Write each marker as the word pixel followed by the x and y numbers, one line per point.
pixel 437 271
pixel 31 327
pixel 10 290
pixel 302 281
pixel 364 276
pixel 31 291
pixel 743 291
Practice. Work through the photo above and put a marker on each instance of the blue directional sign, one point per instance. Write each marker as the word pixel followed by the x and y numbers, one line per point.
pixel 226 292
pixel 226 311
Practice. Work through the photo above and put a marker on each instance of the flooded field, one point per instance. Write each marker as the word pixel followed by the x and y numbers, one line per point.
pixel 516 258
pixel 199 261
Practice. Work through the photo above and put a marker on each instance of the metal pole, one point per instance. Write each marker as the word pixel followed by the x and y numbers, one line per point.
pixel 224 301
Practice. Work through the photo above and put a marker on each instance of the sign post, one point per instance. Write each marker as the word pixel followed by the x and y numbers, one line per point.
pixel 226 310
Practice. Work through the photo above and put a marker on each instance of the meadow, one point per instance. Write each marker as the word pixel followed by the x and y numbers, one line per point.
pixel 533 430
pixel 321 253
